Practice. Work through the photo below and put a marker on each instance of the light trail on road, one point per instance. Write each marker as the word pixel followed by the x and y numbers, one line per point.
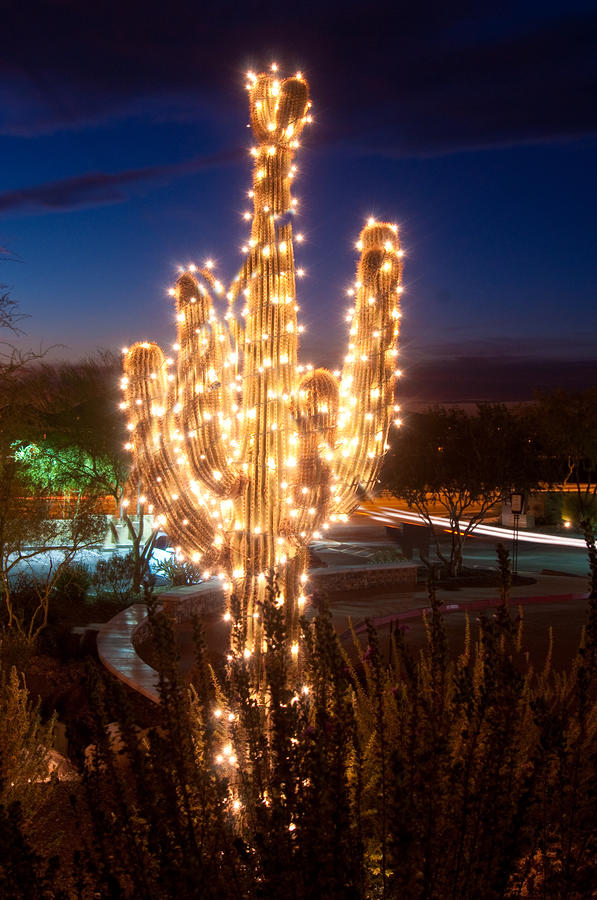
pixel 388 515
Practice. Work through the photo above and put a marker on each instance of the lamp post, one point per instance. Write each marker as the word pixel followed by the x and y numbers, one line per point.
pixel 516 507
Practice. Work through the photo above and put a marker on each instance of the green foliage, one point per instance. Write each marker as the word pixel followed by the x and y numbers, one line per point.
pixel 179 573
pixel 28 526
pixel 76 438
pixel 66 470
pixel 114 577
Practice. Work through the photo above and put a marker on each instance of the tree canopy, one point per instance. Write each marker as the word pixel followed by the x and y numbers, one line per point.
pixel 63 425
pixel 462 463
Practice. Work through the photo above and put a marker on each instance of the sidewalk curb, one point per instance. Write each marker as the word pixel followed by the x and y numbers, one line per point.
pixel 475 605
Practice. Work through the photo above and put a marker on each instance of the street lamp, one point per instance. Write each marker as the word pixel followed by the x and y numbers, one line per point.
pixel 516 507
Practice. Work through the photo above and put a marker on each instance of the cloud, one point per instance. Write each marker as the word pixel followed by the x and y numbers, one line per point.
pixel 431 77
pixel 485 378
pixel 100 188
pixel 504 346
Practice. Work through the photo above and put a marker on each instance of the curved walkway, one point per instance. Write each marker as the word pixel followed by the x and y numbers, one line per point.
pixel 116 651
pixel 117 639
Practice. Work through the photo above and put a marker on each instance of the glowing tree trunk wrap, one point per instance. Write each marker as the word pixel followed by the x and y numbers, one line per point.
pixel 246 455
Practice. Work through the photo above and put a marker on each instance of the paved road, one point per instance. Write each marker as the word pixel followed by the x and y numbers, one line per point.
pixel 565 616
pixel 531 557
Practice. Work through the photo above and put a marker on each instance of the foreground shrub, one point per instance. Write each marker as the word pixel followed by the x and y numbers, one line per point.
pixel 386 777
pixel 24 746
pixel 179 572
pixel 71 586
pixel 379 775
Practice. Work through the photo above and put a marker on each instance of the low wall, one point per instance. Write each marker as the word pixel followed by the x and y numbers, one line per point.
pixel 181 604
pixel 116 650
pixel 401 576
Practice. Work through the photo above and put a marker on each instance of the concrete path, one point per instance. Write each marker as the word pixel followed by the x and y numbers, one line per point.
pixel 350 544
pixel 116 651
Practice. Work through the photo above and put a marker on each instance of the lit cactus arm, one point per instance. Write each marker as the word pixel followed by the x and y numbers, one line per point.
pixel 200 412
pixel 149 395
pixel 368 378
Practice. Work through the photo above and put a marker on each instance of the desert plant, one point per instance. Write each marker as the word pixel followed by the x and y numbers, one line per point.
pixel 179 572
pixel 114 577
pixel 24 746
pixel 369 775
pixel 71 586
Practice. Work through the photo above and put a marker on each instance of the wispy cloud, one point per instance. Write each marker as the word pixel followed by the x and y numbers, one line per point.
pixel 101 188
pixel 506 347
pixel 469 379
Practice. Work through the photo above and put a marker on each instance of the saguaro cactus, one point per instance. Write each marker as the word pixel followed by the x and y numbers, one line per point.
pixel 246 454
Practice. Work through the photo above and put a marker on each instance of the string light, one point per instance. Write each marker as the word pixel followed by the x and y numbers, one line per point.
pixel 246 454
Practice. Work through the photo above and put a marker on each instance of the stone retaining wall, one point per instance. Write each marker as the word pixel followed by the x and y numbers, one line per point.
pixel 181 604
pixel 352 578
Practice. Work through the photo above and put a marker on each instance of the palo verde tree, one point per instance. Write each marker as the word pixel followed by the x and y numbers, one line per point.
pixel 460 465
pixel 81 448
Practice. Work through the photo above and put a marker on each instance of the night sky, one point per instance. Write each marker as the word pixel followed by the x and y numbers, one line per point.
pixel 124 153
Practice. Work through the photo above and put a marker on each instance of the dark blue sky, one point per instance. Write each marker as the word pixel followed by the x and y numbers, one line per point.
pixel 123 153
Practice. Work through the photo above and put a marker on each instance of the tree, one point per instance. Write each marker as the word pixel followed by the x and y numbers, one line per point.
pixel 9 312
pixel 10 315
pixel 59 431
pixel 32 538
pixel 462 463
pixel 79 445
pixel 566 424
